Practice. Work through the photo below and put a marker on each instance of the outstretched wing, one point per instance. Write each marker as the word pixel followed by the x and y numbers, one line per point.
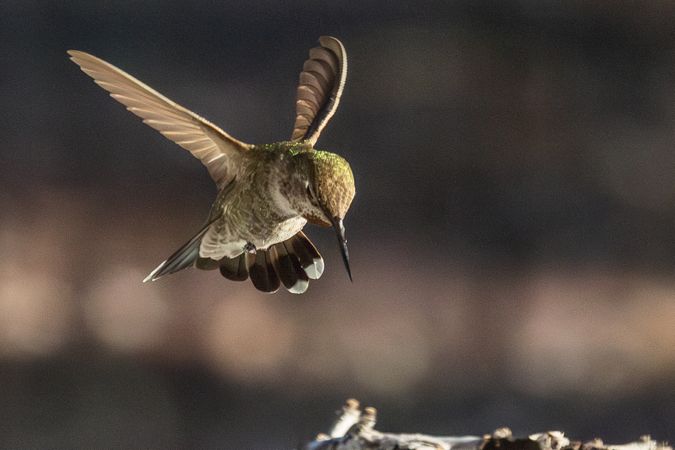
pixel 322 81
pixel 217 150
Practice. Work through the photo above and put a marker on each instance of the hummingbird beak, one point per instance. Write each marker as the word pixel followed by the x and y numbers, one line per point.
pixel 339 228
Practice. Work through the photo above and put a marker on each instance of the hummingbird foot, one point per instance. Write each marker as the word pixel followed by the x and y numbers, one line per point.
pixel 249 248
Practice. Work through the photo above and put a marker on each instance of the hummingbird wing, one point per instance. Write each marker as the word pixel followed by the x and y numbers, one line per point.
pixel 183 257
pixel 216 149
pixel 322 81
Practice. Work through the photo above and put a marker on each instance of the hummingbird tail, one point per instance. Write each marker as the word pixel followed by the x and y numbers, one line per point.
pixel 258 266
pixel 296 261
pixel 309 257
pixel 288 267
pixel 262 272
pixel 291 263
pixel 235 269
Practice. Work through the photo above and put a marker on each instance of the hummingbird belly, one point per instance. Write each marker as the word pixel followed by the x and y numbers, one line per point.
pixel 280 232
pixel 226 239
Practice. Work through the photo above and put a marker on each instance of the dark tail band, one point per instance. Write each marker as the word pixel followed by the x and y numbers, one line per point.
pixel 292 263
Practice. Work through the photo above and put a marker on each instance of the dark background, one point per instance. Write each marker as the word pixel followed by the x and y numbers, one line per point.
pixel 512 237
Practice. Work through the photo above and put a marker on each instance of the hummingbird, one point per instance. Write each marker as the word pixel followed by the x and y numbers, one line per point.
pixel 266 193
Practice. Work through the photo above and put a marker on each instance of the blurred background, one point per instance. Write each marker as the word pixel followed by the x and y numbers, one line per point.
pixel 512 237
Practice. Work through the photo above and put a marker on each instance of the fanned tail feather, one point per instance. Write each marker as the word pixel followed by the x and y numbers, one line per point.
pixel 291 263
pixel 235 269
pixel 296 261
pixel 287 264
pixel 309 257
pixel 262 272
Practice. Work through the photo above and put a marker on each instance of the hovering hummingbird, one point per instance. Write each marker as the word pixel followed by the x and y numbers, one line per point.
pixel 266 193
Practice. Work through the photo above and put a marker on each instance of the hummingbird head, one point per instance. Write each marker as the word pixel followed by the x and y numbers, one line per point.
pixel 330 191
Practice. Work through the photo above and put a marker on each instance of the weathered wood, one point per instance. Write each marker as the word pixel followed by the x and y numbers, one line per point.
pixel 354 429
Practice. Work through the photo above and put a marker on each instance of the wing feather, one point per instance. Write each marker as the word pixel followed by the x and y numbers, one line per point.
pixel 320 87
pixel 216 149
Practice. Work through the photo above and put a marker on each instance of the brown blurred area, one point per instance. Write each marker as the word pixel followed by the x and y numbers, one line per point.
pixel 511 239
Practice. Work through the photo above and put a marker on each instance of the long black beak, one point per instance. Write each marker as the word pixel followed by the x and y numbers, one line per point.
pixel 340 231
